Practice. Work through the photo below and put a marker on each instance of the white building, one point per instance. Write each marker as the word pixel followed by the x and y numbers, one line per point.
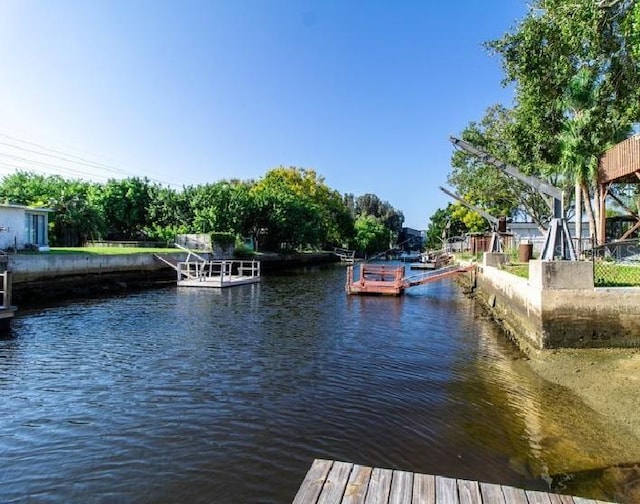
pixel 530 232
pixel 24 227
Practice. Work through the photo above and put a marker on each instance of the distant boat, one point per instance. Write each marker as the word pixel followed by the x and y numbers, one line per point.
pixel 432 260
pixel 410 257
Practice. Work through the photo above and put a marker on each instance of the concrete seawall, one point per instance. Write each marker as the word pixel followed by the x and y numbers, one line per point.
pixel 40 278
pixel 558 306
pixel 35 268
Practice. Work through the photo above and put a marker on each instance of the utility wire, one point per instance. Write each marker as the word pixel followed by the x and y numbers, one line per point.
pixel 71 158
pixel 83 162
pixel 49 165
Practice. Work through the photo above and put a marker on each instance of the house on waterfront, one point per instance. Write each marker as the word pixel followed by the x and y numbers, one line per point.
pixel 517 232
pixel 411 239
pixel 23 227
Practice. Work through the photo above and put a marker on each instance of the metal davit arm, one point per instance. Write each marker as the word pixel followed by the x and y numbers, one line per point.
pixel 558 243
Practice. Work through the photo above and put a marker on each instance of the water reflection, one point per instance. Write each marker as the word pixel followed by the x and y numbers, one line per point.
pixel 227 396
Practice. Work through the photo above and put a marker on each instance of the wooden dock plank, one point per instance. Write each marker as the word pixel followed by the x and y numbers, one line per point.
pixel 379 486
pixel 336 482
pixel 536 497
pixel 469 492
pixel 424 489
pixel 311 487
pixel 491 494
pixel 401 488
pixel 561 499
pixel 446 490
pixel 332 482
pixel 514 495
pixel 357 485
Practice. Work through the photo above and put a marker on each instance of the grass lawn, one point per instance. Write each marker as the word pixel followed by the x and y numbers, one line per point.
pixel 108 250
pixel 518 269
pixel 616 275
pixel 606 274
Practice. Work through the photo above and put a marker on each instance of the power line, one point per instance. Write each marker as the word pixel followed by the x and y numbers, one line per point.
pixel 83 163
pixel 49 165
pixel 70 158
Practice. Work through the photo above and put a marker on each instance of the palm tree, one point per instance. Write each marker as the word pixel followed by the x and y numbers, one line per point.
pixel 579 145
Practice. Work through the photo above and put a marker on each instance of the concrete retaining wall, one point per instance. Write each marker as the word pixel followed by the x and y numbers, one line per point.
pixel 40 278
pixel 558 307
pixel 38 267
pixel 513 303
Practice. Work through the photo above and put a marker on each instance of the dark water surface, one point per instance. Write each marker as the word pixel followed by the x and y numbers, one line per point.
pixel 202 395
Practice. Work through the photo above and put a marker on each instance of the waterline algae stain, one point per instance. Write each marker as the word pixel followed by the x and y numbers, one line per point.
pixel 228 396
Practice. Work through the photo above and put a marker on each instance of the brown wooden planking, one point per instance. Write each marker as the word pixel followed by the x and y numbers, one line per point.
pixel 401 488
pixel 561 499
pixel 446 490
pixel 311 487
pixel 424 489
pixel 537 497
pixel 379 486
pixel 469 492
pixel 329 482
pixel 336 482
pixel 514 495
pixel 491 494
pixel 357 485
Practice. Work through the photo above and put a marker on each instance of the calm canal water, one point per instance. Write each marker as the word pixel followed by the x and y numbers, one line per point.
pixel 179 395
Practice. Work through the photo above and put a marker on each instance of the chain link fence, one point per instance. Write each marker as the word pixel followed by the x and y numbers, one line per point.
pixel 616 264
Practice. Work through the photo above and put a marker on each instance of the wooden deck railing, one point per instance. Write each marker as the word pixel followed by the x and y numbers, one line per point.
pixel 620 161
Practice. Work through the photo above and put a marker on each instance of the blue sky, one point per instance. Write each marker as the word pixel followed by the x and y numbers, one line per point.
pixel 188 92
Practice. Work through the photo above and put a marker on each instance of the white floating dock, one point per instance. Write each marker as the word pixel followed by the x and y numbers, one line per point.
pixel 218 274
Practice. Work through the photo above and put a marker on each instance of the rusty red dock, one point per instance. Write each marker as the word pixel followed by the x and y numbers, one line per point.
pixel 376 279
pixel 391 280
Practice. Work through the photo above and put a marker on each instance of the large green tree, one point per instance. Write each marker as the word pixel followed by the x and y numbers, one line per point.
pixel 443 224
pixel 545 56
pixel 371 204
pixel 124 205
pixel 371 235
pixel 289 211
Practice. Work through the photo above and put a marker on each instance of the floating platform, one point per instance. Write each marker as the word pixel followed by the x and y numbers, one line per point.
pixel 331 482
pixel 391 280
pixel 218 274
pixel 376 279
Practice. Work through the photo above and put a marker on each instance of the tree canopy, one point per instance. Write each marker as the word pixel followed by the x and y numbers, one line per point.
pixel 289 208
pixel 575 70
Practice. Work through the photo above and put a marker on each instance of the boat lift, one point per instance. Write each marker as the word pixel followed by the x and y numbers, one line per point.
pixel 496 224
pixel 558 243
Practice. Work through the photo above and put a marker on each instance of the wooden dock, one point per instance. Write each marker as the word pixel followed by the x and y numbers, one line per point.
pixel 331 482
pixel 391 280
pixel 376 279
pixel 7 310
